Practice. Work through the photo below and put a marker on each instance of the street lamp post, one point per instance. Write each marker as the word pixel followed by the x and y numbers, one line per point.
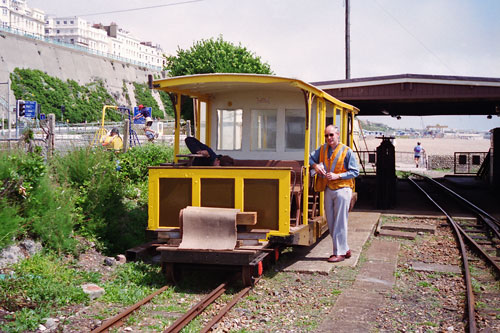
pixel 8 109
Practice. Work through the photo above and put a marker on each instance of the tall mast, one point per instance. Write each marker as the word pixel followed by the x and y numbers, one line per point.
pixel 347 43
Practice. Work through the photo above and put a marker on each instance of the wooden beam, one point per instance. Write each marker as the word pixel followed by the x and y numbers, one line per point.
pixel 246 218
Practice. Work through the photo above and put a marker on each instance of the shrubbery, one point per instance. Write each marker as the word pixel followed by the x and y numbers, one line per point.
pixel 82 103
pixel 81 193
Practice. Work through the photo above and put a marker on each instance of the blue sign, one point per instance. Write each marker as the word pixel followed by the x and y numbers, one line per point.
pixel 30 109
pixel 141 120
pixel 42 116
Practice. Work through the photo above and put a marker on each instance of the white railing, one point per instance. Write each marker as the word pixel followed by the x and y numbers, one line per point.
pixel 6 28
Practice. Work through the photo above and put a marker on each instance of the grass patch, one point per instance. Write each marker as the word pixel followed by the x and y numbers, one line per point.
pixel 37 287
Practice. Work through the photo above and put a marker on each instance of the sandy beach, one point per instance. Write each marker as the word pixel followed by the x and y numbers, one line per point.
pixel 439 146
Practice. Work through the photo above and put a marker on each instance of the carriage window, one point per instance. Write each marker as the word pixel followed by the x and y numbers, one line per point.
pixel 338 121
pixel 295 127
pixel 263 130
pixel 229 123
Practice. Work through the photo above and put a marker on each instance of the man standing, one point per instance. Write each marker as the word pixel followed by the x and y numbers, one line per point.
pixel 336 167
pixel 418 150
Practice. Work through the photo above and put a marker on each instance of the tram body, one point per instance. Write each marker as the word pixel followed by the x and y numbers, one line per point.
pixel 268 125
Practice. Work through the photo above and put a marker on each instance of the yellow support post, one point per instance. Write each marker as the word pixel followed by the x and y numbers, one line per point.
pixel 208 130
pixel 307 144
pixel 198 119
pixel 177 127
pixel 101 132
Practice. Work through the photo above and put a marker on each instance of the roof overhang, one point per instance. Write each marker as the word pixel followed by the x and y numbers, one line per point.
pixel 205 86
pixel 418 95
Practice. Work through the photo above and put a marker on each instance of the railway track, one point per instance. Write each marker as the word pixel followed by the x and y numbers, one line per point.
pixel 478 238
pixel 180 323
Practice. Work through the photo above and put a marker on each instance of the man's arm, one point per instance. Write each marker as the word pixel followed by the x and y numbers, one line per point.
pixel 315 163
pixel 351 165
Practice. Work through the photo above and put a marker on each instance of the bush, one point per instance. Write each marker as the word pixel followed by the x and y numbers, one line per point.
pixel 105 216
pixel 10 223
pixel 50 216
pixel 20 173
pixel 135 162
pixel 82 103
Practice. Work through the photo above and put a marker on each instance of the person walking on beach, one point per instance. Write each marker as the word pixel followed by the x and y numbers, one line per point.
pixel 418 150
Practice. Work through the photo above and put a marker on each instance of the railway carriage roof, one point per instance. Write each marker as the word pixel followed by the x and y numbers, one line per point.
pixel 203 86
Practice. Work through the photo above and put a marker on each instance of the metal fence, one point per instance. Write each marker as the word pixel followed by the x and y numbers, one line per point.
pixel 404 160
pixel 68 137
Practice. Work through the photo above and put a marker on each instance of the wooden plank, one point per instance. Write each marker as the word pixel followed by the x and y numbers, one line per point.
pixel 169 234
pixel 247 242
pixel 413 227
pixel 246 218
pixel 176 249
pixel 398 234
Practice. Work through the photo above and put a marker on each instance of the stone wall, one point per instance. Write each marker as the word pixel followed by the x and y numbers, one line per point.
pixel 440 161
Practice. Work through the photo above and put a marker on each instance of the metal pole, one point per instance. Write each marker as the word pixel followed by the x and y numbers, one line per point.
pixel 347 42
pixel 3 114
pixel 8 107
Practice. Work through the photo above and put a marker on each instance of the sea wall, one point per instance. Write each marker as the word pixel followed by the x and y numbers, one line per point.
pixel 66 63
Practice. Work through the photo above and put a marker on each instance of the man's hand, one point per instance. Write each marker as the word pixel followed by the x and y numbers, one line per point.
pixel 332 176
pixel 203 152
pixel 320 169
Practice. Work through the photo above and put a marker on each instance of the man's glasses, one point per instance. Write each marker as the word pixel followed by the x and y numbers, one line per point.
pixel 331 135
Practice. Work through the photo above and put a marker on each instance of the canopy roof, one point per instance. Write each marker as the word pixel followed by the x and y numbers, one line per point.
pixel 203 86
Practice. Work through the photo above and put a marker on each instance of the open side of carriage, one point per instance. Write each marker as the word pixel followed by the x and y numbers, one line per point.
pixel 269 125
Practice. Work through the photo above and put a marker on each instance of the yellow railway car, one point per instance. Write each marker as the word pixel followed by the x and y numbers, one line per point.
pixel 269 125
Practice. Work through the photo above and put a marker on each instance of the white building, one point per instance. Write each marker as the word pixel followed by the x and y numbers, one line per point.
pixel 109 41
pixel 124 45
pixel 77 31
pixel 16 15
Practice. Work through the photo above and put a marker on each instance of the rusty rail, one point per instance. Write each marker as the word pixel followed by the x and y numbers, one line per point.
pixel 197 309
pixel 117 320
pixel 472 327
pixel 192 313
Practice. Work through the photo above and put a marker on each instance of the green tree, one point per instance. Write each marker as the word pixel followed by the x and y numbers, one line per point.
pixel 213 56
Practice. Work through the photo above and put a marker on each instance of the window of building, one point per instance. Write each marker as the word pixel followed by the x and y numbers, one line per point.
pixel 295 127
pixel 58 31
pixel 229 129
pixel 263 130
pixel 58 22
pixel 65 22
pixel 72 22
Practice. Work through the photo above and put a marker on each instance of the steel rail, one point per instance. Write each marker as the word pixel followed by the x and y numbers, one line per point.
pixel 226 309
pixel 475 208
pixel 472 327
pixel 481 214
pixel 118 319
pixel 194 311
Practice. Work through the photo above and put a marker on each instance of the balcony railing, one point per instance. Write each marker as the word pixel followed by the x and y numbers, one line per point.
pixel 20 32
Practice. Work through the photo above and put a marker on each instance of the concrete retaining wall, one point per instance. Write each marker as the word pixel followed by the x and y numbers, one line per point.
pixel 65 63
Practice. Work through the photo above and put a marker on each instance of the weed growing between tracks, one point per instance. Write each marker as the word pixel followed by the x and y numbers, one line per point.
pixel 420 300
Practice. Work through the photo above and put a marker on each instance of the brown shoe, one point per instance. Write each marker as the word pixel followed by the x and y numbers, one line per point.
pixel 335 258
pixel 348 254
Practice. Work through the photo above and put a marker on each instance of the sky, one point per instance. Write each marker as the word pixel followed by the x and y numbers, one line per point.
pixel 305 39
